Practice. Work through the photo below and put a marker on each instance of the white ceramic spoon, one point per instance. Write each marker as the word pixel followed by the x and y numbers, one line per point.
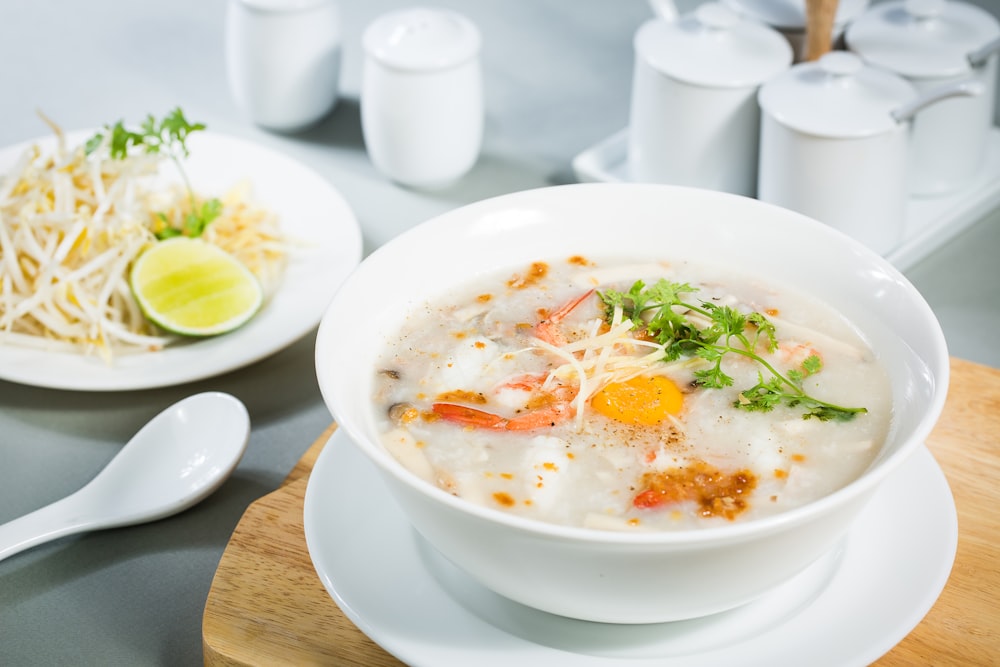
pixel 175 461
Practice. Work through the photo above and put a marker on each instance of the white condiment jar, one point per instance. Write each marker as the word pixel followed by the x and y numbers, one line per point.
pixel 789 18
pixel 283 60
pixel 932 43
pixel 694 118
pixel 422 109
pixel 835 138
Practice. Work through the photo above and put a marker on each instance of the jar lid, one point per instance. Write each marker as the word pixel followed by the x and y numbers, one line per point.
pixel 791 14
pixel 713 46
pixel 922 38
pixel 422 39
pixel 838 96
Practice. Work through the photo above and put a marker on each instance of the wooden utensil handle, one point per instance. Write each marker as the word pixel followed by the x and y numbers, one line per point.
pixel 820 16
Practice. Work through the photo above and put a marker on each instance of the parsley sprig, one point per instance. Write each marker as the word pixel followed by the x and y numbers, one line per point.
pixel 167 136
pixel 712 331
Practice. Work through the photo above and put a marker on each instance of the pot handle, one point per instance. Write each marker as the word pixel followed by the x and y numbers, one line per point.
pixel 664 9
pixel 967 88
pixel 979 57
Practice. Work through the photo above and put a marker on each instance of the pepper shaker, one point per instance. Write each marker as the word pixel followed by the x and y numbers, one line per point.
pixel 283 60
pixel 422 96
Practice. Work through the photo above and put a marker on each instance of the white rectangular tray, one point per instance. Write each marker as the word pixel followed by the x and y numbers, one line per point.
pixel 931 221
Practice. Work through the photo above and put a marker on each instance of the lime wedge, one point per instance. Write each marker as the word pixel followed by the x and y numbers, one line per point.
pixel 193 288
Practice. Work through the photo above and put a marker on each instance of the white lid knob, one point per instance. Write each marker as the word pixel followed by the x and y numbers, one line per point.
pixel 925 9
pixel 716 16
pixel 840 63
pixel 422 39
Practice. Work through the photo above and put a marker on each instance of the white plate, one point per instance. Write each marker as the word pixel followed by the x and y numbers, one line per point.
pixel 930 221
pixel 848 609
pixel 310 210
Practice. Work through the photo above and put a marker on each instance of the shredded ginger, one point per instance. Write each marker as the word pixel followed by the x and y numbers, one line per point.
pixel 71 225
pixel 605 357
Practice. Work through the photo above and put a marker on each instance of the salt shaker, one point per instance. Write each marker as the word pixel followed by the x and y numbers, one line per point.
pixel 283 60
pixel 422 96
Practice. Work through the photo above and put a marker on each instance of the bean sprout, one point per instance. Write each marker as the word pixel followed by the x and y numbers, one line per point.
pixel 71 225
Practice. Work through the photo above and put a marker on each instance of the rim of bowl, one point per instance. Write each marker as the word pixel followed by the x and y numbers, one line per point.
pixel 870 478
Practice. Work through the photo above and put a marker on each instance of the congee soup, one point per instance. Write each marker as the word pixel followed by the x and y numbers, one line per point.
pixel 631 396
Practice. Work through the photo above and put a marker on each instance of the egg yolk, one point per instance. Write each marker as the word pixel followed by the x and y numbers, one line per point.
pixel 643 400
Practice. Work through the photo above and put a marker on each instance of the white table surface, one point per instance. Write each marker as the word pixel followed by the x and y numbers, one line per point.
pixel 558 78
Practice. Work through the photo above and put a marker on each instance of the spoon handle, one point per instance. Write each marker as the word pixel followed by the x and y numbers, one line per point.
pixel 979 57
pixel 820 18
pixel 59 519
pixel 967 88
pixel 665 9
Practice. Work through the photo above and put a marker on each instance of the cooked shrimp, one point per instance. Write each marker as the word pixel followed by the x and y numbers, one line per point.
pixel 544 408
pixel 548 329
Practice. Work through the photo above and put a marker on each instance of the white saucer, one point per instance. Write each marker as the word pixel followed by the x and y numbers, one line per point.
pixel 930 221
pixel 847 609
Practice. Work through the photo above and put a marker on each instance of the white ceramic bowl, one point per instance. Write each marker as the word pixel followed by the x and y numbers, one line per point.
pixel 611 576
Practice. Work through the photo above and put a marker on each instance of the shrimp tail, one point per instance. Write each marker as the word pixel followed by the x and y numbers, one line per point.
pixel 548 329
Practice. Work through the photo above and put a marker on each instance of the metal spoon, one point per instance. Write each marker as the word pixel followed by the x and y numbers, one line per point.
pixel 175 461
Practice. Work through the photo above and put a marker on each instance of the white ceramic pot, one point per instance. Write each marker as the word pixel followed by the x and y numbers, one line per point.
pixel 835 138
pixel 789 18
pixel 283 60
pixel 934 43
pixel 694 119
pixel 422 96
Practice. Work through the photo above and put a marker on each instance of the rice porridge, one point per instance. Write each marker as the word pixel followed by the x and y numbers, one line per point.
pixel 643 396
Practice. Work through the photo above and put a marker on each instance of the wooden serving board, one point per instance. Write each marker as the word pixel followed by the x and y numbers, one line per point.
pixel 266 605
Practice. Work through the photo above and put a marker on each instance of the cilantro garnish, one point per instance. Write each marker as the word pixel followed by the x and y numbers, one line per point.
pixel 168 137
pixel 710 332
